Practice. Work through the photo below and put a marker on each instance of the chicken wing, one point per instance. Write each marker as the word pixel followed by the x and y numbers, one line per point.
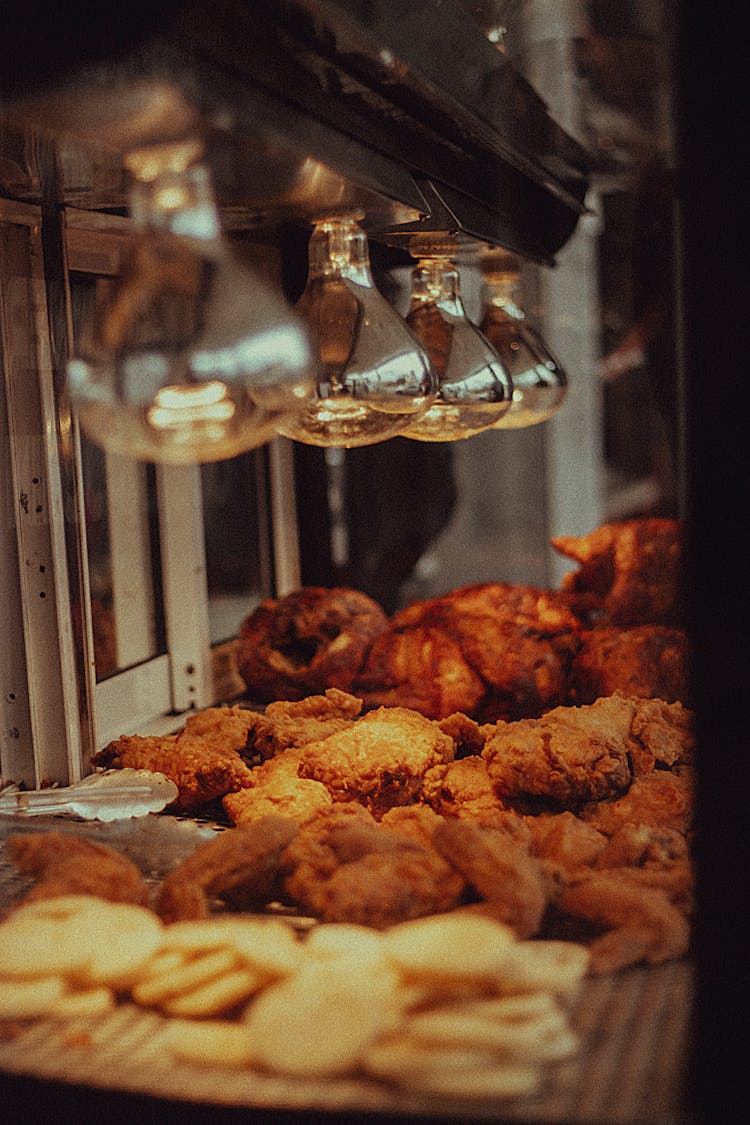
pixel 204 759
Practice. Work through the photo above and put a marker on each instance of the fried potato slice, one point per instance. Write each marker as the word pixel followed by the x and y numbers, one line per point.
pixel 450 947
pixel 29 999
pixel 318 1022
pixel 210 1042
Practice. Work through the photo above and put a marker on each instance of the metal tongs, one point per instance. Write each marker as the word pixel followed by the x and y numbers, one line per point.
pixel 110 795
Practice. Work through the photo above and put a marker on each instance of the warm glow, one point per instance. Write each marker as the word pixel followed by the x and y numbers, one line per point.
pixel 175 407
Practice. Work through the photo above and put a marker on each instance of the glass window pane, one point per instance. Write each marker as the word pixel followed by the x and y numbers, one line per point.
pixel 122 538
pixel 234 512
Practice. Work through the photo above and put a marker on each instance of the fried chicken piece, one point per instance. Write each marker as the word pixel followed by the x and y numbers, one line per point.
pixel 204 759
pixel 65 864
pixel 380 760
pixel 417 822
pixel 660 855
pixel 465 732
pixel 343 866
pixel 650 661
pixel 277 790
pixel 499 869
pixel 569 756
pixel 565 839
pixel 286 724
pixel 239 866
pixel 666 734
pixel 660 799
pixel 640 922
pixel 309 640
pixel 420 668
pixel 463 788
pixel 632 569
pixel 548 611
pixel 490 651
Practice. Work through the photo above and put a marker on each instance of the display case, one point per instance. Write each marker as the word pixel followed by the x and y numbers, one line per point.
pixel 561 137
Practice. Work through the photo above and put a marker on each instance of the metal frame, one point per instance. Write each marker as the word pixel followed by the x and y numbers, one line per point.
pixel 48 709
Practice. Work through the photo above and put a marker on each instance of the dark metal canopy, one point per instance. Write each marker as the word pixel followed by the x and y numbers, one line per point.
pixel 407 111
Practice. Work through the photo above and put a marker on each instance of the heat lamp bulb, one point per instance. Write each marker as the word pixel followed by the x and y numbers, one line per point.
pixel 474 388
pixel 374 377
pixel 193 357
pixel 539 382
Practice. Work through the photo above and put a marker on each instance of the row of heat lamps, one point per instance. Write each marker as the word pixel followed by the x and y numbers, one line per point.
pixel 193 358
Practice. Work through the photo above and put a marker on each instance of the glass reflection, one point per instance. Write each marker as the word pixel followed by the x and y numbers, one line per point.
pixel 374 377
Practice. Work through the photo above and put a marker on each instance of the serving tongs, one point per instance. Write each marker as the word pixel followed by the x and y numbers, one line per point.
pixel 109 795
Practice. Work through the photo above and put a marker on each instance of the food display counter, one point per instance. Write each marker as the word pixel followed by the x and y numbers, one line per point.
pixel 359 479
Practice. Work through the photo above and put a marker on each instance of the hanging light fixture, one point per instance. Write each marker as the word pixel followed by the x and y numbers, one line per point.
pixel 374 376
pixel 193 357
pixel 539 382
pixel 474 388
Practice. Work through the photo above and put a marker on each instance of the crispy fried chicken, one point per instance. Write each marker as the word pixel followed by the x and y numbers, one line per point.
pixel 204 759
pixel 380 760
pixel 66 864
pixel 631 570
pixel 343 866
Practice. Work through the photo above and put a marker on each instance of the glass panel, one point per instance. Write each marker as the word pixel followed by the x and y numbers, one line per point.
pixel 122 538
pixel 234 509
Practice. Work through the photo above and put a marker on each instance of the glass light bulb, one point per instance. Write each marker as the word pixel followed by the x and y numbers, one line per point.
pixel 539 382
pixel 192 356
pixel 374 376
pixel 474 389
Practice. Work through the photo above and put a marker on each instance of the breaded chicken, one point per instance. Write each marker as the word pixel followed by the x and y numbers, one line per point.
pixel 463 788
pixel 66 864
pixel 633 570
pixel 286 724
pixel 651 661
pixel 499 869
pixel 343 866
pixel 239 865
pixel 567 757
pixel 565 839
pixel 665 733
pixel 639 922
pixel 380 760
pixel 660 799
pixel 204 759
pixel 297 798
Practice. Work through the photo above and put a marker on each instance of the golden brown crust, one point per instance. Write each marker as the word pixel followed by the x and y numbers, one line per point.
pixel 345 867
pixel 204 759
pixel 661 799
pixel 64 864
pixel 652 661
pixel 288 724
pixel 463 788
pixel 632 570
pixel 380 760
pixel 309 640
pixel 569 756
